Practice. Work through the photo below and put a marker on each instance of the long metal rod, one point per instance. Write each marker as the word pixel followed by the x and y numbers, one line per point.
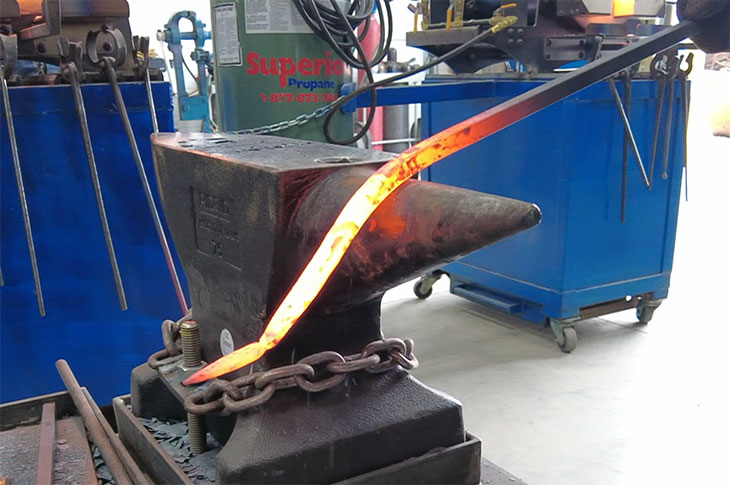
pixel 129 464
pixel 668 130
pixel 98 436
pixel 625 151
pixel 151 101
pixel 627 127
pixel 47 445
pixel 145 184
pixel 81 112
pixel 21 192
pixel 685 112
pixel 395 140
pixel 657 126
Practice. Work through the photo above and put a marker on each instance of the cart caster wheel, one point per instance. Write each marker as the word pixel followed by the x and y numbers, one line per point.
pixel 418 290
pixel 568 340
pixel 645 310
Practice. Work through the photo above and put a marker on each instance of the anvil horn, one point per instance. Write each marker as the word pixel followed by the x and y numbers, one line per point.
pixel 420 227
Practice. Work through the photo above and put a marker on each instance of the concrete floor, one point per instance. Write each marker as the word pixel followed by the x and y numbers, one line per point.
pixel 633 403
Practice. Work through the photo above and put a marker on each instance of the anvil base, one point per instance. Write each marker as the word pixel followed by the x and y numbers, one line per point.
pixel 367 424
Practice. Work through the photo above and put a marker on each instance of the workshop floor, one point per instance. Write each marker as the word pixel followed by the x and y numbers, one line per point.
pixel 632 404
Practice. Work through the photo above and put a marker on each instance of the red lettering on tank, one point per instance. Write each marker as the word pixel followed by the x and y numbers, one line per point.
pixel 253 63
pixel 305 66
pixel 284 67
pixel 318 64
pixel 273 66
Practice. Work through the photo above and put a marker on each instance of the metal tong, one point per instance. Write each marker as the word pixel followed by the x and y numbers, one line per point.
pixel 683 75
pixel 668 66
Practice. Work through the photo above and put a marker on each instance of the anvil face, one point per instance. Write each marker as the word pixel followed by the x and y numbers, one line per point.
pixel 247 212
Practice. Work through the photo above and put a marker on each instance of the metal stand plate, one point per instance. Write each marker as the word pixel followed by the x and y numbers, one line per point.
pixel 455 464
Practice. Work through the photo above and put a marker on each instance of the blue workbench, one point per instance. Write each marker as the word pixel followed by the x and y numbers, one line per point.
pixel 84 323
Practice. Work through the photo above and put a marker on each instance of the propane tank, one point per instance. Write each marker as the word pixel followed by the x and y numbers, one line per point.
pixel 270 67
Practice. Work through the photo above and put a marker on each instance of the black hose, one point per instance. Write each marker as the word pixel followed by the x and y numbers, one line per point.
pixel 373 85
pixel 333 26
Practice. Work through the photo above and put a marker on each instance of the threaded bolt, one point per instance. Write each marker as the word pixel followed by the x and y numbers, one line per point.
pixel 196 434
pixel 190 334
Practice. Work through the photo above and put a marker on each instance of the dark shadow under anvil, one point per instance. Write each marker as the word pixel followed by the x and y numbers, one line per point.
pixel 246 213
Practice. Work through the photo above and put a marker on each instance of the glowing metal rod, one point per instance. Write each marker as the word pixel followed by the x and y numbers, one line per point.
pixel 391 175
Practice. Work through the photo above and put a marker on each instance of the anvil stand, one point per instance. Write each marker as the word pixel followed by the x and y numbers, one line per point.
pixel 246 214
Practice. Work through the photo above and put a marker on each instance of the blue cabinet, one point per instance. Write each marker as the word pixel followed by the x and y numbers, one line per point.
pixel 567 159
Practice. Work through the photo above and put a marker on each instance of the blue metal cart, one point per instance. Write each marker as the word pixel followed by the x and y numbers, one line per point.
pixel 582 260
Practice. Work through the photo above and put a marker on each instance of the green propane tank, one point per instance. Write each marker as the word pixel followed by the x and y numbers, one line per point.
pixel 270 67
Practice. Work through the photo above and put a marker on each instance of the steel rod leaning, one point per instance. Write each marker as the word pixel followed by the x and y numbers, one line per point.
pixel 81 112
pixel 127 461
pixel 96 431
pixel 111 74
pixel 21 192
pixel 151 101
pixel 628 131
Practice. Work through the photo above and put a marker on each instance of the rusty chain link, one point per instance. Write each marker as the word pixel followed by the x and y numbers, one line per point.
pixel 172 341
pixel 314 373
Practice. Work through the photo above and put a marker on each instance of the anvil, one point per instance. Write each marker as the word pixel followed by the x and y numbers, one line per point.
pixel 246 213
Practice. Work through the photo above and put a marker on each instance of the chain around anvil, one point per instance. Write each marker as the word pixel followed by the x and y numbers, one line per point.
pixel 172 341
pixel 314 373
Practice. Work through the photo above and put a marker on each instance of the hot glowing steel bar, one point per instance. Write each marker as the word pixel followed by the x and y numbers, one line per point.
pixel 391 175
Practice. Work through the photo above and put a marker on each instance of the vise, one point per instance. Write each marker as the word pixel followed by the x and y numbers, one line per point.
pixel 246 213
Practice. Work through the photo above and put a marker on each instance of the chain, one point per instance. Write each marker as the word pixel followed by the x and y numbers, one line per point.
pixel 283 125
pixel 172 341
pixel 315 373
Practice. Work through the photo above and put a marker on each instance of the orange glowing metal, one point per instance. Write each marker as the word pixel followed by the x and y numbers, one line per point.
pixel 351 219
pixel 623 8
pixel 30 6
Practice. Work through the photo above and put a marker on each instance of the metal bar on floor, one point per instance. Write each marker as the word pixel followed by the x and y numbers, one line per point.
pixel 47 445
